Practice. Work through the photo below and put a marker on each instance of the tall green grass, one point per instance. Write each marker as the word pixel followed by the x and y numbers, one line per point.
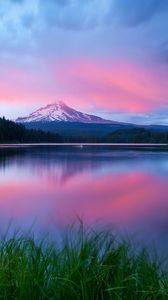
pixel 86 265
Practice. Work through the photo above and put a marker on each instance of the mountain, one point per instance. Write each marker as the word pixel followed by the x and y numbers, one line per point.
pixel 60 112
pixel 61 119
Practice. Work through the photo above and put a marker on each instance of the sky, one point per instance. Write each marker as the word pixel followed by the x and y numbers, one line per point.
pixel 105 57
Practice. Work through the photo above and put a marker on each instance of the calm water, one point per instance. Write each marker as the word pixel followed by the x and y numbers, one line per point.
pixel 50 186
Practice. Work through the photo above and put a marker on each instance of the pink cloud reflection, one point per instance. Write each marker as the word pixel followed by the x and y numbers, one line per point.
pixel 124 199
pixel 118 199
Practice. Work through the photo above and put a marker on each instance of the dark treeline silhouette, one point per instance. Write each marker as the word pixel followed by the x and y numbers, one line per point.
pixel 126 135
pixel 10 132
pixel 137 135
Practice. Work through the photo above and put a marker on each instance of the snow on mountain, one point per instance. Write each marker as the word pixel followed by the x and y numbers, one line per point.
pixel 61 112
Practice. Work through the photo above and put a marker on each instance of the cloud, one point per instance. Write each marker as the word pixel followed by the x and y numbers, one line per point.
pixel 28 19
pixel 84 37
pixel 17 1
pixel 80 15
pixel 73 14
pixel 136 12
pixel 158 116
pixel 123 85
pixel 162 53
pixel 58 2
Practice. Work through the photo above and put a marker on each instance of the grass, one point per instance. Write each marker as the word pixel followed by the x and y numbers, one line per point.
pixel 87 265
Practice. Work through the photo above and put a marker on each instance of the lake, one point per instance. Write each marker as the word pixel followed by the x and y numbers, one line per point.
pixel 47 187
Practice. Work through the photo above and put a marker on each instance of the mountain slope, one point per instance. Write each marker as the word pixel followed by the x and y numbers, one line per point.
pixel 61 112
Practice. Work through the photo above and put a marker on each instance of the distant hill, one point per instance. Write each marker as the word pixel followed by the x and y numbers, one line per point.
pixel 79 132
pixel 138 135
pixel 76 129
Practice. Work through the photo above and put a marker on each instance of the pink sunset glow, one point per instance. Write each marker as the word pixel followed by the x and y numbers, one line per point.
pixel 105 63
pixel 119 86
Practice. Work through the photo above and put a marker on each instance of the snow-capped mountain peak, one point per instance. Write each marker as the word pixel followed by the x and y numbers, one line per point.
pixel 59 111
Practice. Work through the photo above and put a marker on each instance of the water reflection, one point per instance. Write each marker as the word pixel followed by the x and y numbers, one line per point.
pixel 52 185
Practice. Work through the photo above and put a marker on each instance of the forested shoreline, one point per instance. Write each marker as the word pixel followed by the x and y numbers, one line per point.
pixel 11 132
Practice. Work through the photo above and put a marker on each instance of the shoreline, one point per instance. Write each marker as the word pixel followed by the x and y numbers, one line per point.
pixel 129 145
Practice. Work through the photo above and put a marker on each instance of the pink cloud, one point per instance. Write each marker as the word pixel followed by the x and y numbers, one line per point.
pixel 85 83
pixel 115 85
pixel 23 83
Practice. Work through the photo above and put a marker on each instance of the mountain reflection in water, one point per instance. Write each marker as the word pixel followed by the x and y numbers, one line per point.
pixel 52 185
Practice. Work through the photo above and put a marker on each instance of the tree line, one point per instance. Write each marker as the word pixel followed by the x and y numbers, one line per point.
pixel 11 132
pixel 138 135
pixel 129 135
